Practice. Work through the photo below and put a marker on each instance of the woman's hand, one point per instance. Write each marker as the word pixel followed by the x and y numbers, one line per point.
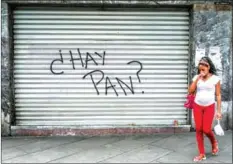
pixel 218 116
pixel 218 96
pixel 199 77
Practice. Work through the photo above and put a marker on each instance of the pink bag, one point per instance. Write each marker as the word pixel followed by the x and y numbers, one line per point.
pixel 190 101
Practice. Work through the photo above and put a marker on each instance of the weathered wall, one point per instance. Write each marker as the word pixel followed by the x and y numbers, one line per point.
pixel 117 2
pixel 212 26
pixel 230 84
pixel 6 85
pixel 230 115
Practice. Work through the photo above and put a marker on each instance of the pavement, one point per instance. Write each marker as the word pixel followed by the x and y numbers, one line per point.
pixel 157 148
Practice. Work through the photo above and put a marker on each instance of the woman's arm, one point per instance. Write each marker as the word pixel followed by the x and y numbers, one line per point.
pixel 193 86
pixel 218 96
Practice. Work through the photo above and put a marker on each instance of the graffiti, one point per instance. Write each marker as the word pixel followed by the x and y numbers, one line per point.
pixel 139 69
pixel 92 79
pixel 120 82
pixel 51 65
pixel 108 82
pixel 72 59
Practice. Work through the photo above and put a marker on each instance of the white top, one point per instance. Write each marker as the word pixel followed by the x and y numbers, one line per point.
pixel 205 93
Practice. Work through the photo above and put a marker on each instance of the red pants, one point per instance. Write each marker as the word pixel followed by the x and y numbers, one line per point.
pixel 203 117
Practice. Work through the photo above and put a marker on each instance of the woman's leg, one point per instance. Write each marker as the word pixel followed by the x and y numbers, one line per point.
pixel 198 118
pixel 207 124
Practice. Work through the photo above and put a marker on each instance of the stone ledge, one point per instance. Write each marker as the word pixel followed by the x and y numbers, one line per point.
pixel 5 129
pixel 95 131
pixel 123 2
pixel 200 7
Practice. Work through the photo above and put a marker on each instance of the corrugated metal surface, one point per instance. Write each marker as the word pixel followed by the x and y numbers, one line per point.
pixel 156 39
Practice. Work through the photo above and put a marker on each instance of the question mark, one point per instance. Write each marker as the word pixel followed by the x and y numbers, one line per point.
pixel 139 70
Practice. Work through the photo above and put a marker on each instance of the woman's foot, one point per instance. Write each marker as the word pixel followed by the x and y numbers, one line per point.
pixel 199 158
pixel 215 148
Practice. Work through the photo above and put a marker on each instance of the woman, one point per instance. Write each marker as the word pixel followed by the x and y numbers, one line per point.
pixel 205 86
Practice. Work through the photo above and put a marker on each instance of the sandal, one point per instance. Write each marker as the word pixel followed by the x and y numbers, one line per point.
pixel 199 158
pixel 215 148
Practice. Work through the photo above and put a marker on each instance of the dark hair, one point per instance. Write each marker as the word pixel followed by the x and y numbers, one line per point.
pixel 212 67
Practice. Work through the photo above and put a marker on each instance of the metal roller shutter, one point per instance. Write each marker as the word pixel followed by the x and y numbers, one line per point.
pixel 108 42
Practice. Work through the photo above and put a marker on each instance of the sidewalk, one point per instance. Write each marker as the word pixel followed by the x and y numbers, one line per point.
pixel 158 148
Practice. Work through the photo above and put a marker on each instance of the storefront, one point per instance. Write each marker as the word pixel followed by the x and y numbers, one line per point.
pixel 100 67
pixel 139 58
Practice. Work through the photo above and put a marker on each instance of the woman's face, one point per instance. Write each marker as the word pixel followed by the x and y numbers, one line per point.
pixel 204 69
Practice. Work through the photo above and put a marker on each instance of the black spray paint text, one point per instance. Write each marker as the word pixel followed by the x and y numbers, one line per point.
pixel 91 58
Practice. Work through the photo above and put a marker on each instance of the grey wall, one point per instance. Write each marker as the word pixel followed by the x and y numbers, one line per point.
pixel 118 2
pixel 6 70
pixel 212 26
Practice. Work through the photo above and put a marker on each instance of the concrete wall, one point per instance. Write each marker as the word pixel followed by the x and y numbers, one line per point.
pixel 118 2
pixel 212 26
pixel 207 29
pixel 6 72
